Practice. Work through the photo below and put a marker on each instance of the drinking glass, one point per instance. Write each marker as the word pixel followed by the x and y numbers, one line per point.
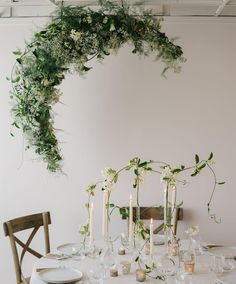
pixel 216 264
pixel 228 263
pixel 167 265
pixel 196 244
pixel 124 240
pixel 108 260
pixel 96 274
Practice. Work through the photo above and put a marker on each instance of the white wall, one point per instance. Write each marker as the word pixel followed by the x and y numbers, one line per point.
pixel 125 108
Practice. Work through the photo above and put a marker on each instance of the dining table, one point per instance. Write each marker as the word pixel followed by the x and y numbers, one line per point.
pixel 202 274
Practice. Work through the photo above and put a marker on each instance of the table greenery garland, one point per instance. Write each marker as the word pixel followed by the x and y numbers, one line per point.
pixel 75 36
pixel 170 177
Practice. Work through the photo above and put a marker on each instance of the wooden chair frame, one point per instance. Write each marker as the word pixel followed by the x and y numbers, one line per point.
pixel 13 226
pixel 157 213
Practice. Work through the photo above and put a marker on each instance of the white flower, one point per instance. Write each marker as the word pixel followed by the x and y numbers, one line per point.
pixel 168 176
pixel 109 176
pixel 75 35
pixel 193 230
pixel 105 20
pixel 112 27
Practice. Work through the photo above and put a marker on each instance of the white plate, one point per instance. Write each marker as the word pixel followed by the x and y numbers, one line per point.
pixel 225 251
pixel 227 278
pixel 60 275
pixel 158 239
pixel 69 249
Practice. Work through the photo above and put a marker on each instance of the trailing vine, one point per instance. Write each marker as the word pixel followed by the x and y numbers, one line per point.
pixel 168 174
pixel 75 36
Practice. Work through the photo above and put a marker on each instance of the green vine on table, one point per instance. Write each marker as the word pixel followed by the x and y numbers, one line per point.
pixel 168 174
pixel 74 37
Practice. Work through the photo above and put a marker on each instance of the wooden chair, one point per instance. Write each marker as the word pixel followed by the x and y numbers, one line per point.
pixel 157 213
pixel 23 223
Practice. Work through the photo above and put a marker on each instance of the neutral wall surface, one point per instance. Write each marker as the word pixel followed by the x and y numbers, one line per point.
pixel 124 108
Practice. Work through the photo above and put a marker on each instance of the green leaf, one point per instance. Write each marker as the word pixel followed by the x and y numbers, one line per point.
pixel 19 60
pixel 86 69
pixel 194 174
pixel 16 80
pixel 201 167
pixel 15 124
pixel 175 171
pixel 142 164
pixel 196 159
pixel 180 204
pixel 116 178
pixel 17 52
pixel 210 157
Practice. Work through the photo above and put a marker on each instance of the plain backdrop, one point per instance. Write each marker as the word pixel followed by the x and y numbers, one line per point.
pixel 122 109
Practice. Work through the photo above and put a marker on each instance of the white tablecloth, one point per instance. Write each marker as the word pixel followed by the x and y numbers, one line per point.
pixel 202 273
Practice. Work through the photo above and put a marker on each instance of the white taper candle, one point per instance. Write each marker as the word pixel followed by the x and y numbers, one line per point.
pixel 173 209
pixel 151 237
pixel 131 234
pixel 91 216
pixel 104 214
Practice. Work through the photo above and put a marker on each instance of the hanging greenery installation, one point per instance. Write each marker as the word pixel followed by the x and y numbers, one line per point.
pixel 74 36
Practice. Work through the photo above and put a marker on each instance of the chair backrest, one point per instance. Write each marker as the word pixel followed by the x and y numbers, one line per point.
pixel 34 222
pixel 157 213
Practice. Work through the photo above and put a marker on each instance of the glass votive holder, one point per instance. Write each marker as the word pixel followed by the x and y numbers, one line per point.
pixel 189 262
pixel 174 249
pixel 189 266
pixel 140 275
pixel 125 265
pixel 121 251
pixel 113 272
pixel 216 264
pixel 228 263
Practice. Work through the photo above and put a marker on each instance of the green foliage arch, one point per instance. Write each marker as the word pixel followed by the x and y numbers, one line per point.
pixel 74 36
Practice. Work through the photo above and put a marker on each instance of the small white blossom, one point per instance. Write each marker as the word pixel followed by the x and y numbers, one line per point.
pixel 109 176
pixel 75 35
pixel 89 20
pixel 193 230
pixel 112 27
pixel 168 176
pixel 105 20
